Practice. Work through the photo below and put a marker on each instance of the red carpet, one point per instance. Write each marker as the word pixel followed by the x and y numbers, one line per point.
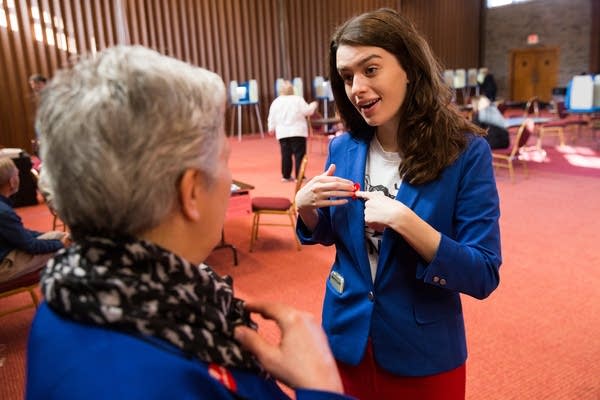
pixel 536 337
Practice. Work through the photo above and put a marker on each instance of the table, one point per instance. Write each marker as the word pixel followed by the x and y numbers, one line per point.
pixel 517 121
pixel 325 122
pixel 239 204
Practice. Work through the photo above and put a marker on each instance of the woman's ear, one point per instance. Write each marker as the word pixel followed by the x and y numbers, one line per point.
pixel 189 193
pixel 14 183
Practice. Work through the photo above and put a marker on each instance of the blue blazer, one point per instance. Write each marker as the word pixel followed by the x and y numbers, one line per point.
pixel 412 312
pixel 70 360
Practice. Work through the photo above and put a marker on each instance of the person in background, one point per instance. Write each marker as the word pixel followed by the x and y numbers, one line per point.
pixel 488 86
pixel 37 82
pixel 22 250
pixel 287 118
pixel 487 116
pixel 338 128
pixel 421 230
pixel 137 160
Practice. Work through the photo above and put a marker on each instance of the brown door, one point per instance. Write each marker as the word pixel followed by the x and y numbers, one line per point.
pixel 534 72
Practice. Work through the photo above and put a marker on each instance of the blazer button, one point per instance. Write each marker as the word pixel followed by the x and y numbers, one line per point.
pixel 436 279
pixel 371 296
pixel 442 281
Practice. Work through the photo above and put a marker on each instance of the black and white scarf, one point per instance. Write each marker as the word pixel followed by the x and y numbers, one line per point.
pixel 140 288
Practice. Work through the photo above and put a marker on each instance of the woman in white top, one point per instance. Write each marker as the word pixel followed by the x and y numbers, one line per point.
pixel 287 118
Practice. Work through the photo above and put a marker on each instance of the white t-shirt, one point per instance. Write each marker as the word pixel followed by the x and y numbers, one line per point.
pixel 381 174
pixel 287 116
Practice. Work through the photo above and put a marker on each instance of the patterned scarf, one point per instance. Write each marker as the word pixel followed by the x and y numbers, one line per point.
pixel 137 287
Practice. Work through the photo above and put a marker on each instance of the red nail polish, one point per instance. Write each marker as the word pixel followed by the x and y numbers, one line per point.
pixel 356 187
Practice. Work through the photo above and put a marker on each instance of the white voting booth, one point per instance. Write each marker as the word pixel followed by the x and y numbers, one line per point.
pixel 322 91
pixel 240 95
pixel 583 94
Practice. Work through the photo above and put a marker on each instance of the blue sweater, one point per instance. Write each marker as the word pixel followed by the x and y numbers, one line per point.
pixel 69 360
pixel 13 235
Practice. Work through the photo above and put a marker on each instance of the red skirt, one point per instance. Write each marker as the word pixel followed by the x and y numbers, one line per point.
pixel 367 381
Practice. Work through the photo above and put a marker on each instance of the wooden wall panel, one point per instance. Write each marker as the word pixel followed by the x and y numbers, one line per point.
pixel 312 22
pixel 238 39
pixel 452 28
pixel 41 36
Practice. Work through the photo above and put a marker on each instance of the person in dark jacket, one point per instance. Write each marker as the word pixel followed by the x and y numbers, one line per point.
pixel 22 250
pixel 488 86
pixel 131 311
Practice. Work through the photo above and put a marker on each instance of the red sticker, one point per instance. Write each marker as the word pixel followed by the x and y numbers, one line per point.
pixel 356 187
pixel 222 375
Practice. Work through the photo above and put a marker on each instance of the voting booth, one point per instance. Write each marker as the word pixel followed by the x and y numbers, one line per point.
pixel 241 95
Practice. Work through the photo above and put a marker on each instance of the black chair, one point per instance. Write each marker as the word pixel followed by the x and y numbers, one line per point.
pixel 27 194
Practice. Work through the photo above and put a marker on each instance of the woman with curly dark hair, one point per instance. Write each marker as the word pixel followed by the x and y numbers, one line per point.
pixel 409 200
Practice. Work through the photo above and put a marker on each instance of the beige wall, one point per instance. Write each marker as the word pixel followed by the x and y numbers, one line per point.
pixel 566 24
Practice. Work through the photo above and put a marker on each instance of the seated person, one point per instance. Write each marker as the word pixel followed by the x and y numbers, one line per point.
pixel 487 116
pixel 339 127
pixel 131 311
pixel 21 250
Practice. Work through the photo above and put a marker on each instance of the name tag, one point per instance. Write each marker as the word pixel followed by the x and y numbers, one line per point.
pixel 337 281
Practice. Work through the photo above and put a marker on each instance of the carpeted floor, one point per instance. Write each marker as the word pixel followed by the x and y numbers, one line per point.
pixel 536 337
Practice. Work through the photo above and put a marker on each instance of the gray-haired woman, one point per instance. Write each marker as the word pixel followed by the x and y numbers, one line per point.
pixel 135 156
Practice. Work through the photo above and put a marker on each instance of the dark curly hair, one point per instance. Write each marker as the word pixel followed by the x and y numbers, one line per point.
pixel 432 133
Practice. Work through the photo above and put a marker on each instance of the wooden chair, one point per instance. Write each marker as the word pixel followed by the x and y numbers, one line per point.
pixel 532 108
pixel 21 284
pixel 505 158
pixel 277 206
pixel 555 127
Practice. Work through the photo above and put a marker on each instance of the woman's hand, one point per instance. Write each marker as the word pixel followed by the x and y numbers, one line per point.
pixel 66 240
pixel 323 190
pixel 382 212
pixel 302 359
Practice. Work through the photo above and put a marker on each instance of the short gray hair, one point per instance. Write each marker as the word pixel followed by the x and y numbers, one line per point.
pixel 7 169
pixel 117 132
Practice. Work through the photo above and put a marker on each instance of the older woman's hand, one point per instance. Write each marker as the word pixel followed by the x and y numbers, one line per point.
pixel 66 240
pixel 323 190
pixel 302 359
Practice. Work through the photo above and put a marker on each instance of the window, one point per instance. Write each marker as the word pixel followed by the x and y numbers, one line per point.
pixel 499 3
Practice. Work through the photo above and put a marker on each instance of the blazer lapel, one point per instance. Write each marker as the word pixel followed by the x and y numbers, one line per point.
pixel 356 159
pixel 408 195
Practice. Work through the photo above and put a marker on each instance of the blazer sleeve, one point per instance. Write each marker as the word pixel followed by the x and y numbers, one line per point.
pixel 469 260
pixel 323 233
